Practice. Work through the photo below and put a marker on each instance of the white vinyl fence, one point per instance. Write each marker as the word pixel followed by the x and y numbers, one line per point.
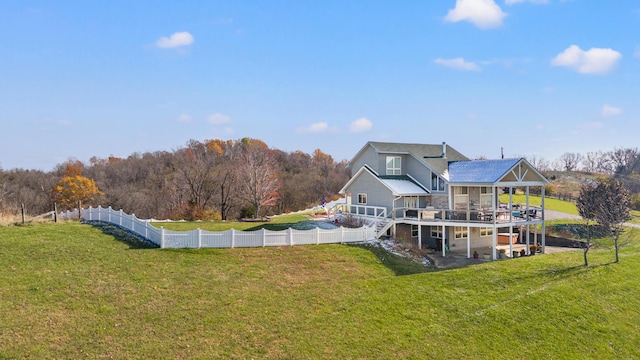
pixel 223 239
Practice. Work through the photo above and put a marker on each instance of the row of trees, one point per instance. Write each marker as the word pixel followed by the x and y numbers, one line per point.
pixel 623 161
pixel 214 179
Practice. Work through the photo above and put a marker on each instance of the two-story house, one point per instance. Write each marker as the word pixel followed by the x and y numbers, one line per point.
pixel 439 198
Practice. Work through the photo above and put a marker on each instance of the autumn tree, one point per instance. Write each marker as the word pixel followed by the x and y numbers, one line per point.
pixel 74 188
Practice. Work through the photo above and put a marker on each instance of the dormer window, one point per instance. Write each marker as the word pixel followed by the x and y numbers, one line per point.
pixel 394 166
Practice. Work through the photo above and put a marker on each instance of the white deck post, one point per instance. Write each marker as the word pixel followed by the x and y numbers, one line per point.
pixel 543 222
pixel 468 242
pixel 511 240
pixel 444 242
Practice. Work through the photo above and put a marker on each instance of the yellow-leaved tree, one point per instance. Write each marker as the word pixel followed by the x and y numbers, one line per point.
pixel 74 187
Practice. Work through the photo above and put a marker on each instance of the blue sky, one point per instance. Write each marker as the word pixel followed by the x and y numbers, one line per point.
pixel 96 78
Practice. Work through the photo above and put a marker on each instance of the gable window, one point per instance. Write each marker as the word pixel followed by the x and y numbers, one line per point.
pixel 437 183
pixel 394 165
pixel 461 232
pixel 362 199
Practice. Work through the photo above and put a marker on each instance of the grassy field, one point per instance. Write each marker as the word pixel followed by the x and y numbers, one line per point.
pixel 549 204
pixel 75 291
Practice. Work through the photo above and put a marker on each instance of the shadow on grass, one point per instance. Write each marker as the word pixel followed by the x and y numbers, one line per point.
pixel 121 234
pixel 400 265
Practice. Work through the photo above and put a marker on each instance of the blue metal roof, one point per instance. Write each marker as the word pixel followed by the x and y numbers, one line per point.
pixel 480 171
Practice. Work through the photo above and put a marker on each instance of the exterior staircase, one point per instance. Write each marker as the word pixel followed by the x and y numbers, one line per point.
pixel 382 227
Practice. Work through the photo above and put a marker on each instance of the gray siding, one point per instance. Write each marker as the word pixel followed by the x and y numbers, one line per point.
pixel 377 194
pixel 368 157
pixel 418 170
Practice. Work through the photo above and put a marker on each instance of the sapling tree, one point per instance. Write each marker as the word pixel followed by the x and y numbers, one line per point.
pixel 587 207
pixel 614 206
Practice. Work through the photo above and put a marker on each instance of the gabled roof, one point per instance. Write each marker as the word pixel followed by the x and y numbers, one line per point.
pixel 488 171
pixel 432 152
pixel 398 185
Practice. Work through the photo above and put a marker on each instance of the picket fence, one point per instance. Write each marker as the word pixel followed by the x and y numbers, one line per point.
pixel 222 239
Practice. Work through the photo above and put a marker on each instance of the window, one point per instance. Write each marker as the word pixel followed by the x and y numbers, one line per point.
pixel 461 232
pixel 461 198
pixel 485 197
pixel 394 165
pixel 486 231
pixel 414 231
pixel 437 183
pixel 362 199
pixel 436 232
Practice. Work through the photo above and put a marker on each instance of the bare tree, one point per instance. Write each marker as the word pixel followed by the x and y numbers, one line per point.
pixel 256 175
pixel 588 204
pixel 624 161
pixel 614 206
pixel 539 163
pixel 570 161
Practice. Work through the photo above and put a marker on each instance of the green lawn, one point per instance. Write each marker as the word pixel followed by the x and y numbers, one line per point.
pixel 73 291
pixel 549 204
pixel 280 222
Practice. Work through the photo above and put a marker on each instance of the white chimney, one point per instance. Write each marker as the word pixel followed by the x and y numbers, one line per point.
pixel 444 150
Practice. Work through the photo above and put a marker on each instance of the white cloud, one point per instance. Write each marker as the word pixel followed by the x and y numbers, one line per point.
pixel 511 2
pixel 217 119
pixel 315 128
pixel 484 14
pixel 178 39
pixel 592 61
pixel 361 125
pixel 609 111
pixel 184 118
pixel 458 64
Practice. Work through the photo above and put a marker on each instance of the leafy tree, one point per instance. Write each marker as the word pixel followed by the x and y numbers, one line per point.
pixel 74 187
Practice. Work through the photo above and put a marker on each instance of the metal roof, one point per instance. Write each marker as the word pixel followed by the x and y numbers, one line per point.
pixel 419 151
pixel 480 171
pixel 403 187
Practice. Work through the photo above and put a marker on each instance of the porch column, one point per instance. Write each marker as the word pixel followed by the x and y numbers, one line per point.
pixel 510 242
pixel 468 242
pixel 527 237
pixel 444 242
pixel 543 222
pixel 528 233
pixel 494 235
pixel 419 236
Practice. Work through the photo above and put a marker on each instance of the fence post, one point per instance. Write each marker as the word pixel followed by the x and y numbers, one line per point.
pixel 80 211
pixel 290 234
pixel 109 217
pixel 161 237
pixel 199 238
pixel 146 230
pixel 341 234
pixel 22 213
pixel 264 237
pixel 133 223
pixel 55 212
pixel 233 238
pixel 317 235
pixel 120 220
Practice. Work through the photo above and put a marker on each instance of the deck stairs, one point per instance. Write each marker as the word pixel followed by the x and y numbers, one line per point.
pixel 382 227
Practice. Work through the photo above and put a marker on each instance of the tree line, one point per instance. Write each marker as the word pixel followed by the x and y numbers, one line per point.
pixel 212 179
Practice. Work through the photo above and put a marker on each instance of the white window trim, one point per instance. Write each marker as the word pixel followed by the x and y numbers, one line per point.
pixel 436 232
pixel 461 232
pixel 360 196
pixel 486 231
pixel 394 168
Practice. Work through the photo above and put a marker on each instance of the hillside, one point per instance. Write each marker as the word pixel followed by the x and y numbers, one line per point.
pixel 72 291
